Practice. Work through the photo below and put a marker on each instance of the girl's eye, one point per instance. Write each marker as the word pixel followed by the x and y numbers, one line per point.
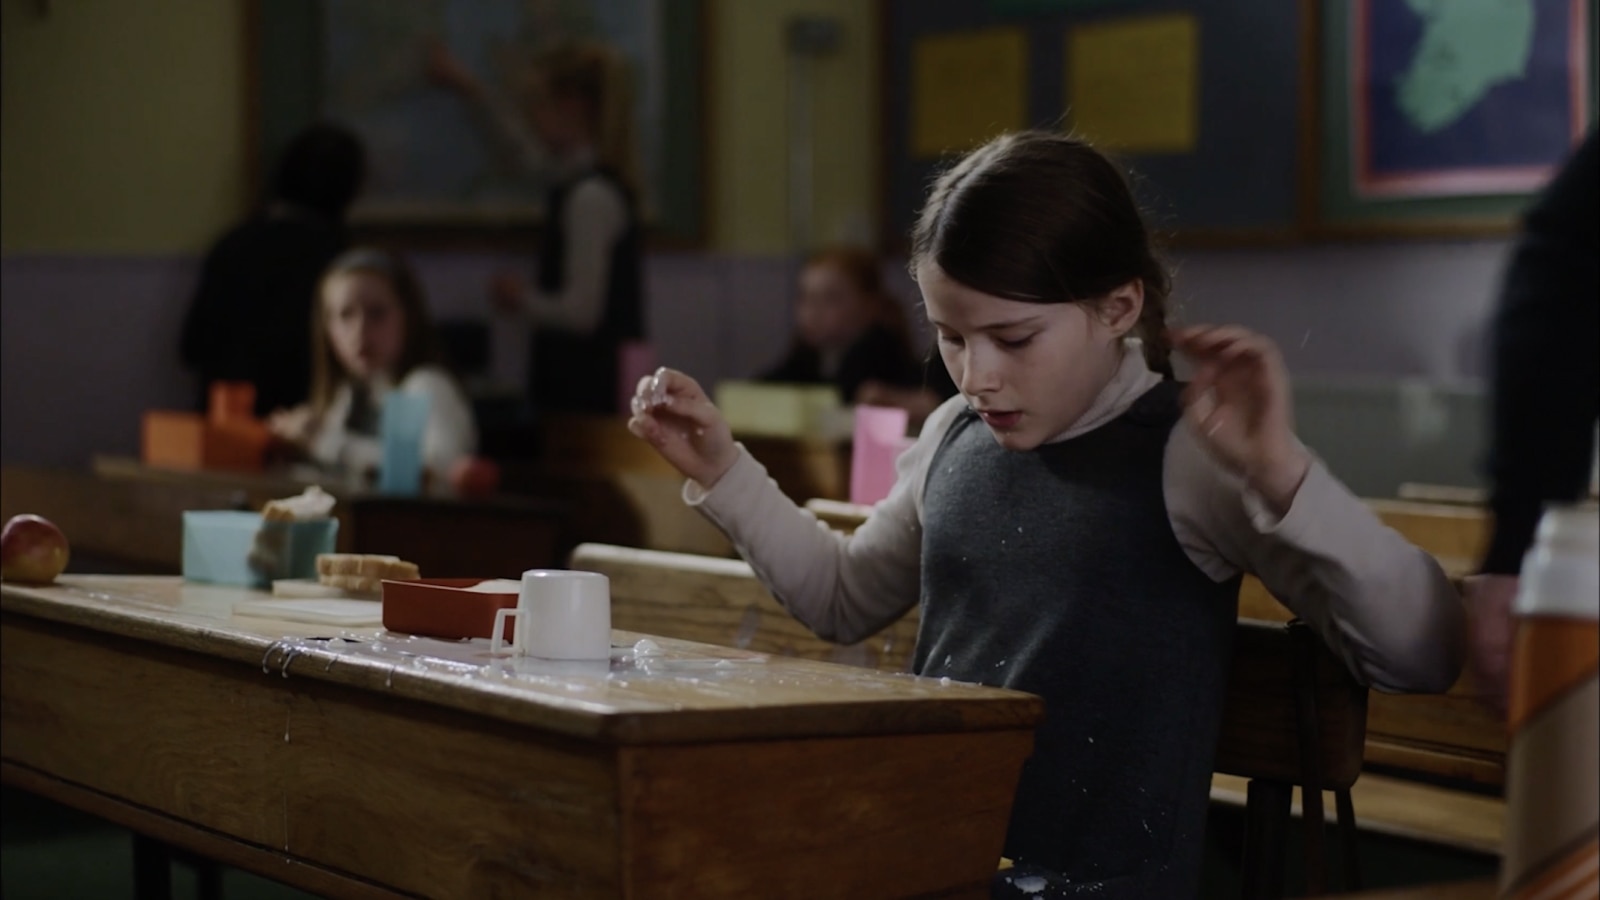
pixel 1017 344
pixel 950 340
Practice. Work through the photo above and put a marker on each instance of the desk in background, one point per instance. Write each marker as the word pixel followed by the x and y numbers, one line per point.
pixel 131 513
pixel 347 771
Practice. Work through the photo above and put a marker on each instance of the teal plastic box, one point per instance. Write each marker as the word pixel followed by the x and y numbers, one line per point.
pixel 219 547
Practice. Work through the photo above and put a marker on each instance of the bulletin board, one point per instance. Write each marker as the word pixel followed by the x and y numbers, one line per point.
pixel 1202 101
pixel 435 166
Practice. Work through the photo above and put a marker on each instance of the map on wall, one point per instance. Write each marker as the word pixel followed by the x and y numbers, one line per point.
pixel 1464 97
pixel 433 154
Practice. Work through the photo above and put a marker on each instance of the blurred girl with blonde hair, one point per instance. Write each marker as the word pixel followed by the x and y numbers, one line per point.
pixel 573 115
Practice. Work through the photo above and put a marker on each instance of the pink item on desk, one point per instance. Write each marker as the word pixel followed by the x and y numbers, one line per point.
pixel 635 359
pixel 880 438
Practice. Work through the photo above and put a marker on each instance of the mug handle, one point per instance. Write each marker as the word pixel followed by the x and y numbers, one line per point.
pixel 500 616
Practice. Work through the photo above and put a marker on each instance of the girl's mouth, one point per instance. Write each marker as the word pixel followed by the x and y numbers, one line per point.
pixel 1001 421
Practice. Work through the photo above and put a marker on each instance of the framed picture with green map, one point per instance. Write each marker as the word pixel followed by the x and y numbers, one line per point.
pixel 444 162
pixel 1442 116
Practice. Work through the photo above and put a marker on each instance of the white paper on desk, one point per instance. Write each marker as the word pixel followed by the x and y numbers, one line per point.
pixel 315 612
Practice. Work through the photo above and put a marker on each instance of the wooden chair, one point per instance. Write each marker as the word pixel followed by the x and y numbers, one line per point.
pixel 1294 718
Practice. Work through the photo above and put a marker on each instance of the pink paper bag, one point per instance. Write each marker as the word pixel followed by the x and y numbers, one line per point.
pixel 880 438
pixel 635 359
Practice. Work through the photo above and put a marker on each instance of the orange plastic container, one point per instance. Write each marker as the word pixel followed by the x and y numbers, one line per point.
pixel 227 437
pixel 443 608
pixel 174 439
pixel 232 401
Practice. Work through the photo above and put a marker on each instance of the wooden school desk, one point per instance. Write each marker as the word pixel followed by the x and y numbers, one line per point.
pixel 445 535
pixel 350 769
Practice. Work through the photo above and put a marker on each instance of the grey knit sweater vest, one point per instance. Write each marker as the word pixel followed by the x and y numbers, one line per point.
pixel 1055 571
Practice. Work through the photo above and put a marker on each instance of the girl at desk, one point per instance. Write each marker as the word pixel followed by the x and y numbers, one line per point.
pixel 371 336
pixel 1075 523
pixel 850 333
pixel 576 120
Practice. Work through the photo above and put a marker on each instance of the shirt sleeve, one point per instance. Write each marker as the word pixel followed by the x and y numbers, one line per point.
pixel 1546 373
pixel 1382 604
pixel 595 218
pixel 844 588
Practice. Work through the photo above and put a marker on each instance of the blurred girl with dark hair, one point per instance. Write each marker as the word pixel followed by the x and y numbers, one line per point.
pixel 247 320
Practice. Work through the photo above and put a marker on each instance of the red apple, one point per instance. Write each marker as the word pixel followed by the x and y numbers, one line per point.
pixel 474 477
pixel 32 550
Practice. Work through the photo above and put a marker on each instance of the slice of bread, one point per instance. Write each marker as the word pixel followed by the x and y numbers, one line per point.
pixel 363 573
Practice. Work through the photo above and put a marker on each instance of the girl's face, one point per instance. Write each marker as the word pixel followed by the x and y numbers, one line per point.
pixel 832 310
pixel 366 325
pixel 1030 369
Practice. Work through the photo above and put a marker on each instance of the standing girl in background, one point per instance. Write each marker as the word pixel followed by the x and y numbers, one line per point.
pixel 589 298
pixel 371 335
pixel 850 333
pixel 1075 523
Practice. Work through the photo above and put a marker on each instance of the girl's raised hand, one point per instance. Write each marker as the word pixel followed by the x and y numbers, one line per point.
pixel 675 416
pixel 1238 404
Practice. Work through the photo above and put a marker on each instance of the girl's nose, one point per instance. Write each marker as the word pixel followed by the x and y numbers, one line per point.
pixel 979 375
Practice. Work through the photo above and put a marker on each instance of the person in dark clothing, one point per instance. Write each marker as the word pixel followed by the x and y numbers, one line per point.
pixel 248 319
pixel 575 120
pixel 849 332
pixel 250 316
pixel 1545 397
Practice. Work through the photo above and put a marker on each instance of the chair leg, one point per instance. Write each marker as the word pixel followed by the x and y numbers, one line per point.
pixel 1266 822
pixel 1304 668
pixel 152 869
pixel 1346 811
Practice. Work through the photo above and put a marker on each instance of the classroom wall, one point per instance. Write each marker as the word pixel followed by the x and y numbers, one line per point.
pixel 120 125
pixel 116 176
pixel 124 125
pixel 751 125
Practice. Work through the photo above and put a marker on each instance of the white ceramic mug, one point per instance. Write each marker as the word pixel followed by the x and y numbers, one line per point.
pixel 560 614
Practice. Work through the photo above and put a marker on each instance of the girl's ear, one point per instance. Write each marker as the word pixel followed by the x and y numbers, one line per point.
pixel 1119 310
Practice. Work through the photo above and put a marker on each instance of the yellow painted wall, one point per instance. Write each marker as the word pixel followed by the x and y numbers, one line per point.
pixel 750 207
pixel 122 124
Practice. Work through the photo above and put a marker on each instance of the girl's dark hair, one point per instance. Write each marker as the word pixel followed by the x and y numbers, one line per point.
pixel 321 169
pixel 419 348
pixel 1043 217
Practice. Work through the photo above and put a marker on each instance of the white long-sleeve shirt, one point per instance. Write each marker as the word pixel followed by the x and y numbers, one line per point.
pixel 450 434
pixel 595 218
pixel 1382 604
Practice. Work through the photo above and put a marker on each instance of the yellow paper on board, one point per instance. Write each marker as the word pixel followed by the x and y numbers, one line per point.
pixel 967 88
pixel 1133 84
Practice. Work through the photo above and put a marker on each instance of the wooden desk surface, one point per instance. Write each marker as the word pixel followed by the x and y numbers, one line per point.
pixel 381 767
pixel 689 692
pixel 1453 890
